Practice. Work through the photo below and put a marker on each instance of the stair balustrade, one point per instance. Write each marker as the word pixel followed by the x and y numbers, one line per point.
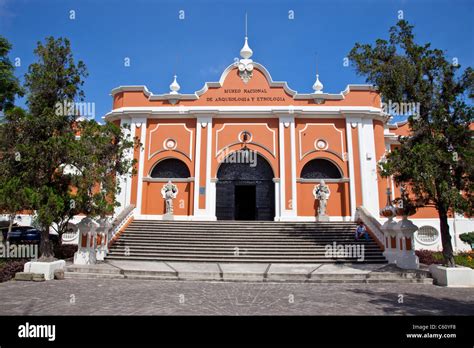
pixel 396 238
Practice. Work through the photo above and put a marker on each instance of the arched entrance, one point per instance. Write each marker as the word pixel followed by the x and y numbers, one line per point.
pixel 245 191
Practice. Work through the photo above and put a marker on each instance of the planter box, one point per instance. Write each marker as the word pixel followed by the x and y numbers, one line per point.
pixel 452 276
pixel 46 268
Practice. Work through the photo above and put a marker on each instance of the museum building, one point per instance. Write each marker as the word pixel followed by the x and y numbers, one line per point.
pixel 250 148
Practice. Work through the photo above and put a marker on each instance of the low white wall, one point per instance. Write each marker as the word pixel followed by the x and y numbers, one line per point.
pixel 457 226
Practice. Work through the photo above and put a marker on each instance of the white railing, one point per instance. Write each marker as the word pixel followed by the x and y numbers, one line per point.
pixel 396 237
pixel 70 237
pixel 120 221
pixel 371 222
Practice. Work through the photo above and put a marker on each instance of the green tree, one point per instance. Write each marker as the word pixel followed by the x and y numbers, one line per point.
pixel 9 84
pixel 43 147
pixel 97 158
pixel 13 193
pixel 436 159
pixel 10 183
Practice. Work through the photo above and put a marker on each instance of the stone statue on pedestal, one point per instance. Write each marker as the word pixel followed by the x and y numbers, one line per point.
pixel 169 192
pixel 321 193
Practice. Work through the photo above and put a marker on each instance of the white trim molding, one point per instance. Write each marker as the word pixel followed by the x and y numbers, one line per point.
pixel 206 212
pixel 350 155
pixel 368 166
pixel 141 161
pixel 176 97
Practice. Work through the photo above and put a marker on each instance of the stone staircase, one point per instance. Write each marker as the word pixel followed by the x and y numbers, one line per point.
pixel 241 241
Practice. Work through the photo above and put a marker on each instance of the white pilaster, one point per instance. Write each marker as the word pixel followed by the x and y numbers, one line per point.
pixel 201 123
pixel 197 167
pixel 350 159
pixel 277 199
pixel 287 121
pixel 281 138
pixel 210 187
pixel 368 166
pixel 293 166
pixel 140 124
pixel 124 181
pixel 212 199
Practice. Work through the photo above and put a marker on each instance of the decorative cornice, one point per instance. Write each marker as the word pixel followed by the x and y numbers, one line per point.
pixel 220 83
pixel 246 112
pixel 317 181
pixel 148 179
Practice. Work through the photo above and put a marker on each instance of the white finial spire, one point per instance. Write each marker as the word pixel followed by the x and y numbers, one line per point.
pixel 318 86
pixel 246 24
pixel 174 87
pixel 246 52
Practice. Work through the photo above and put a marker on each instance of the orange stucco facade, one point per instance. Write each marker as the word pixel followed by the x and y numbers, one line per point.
pixel 346 133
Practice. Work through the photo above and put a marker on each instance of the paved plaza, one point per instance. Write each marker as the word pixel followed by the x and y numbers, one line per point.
pixel 168 297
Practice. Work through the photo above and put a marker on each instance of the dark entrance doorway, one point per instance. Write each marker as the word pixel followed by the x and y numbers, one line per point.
pixel 245 192
pixel 245 202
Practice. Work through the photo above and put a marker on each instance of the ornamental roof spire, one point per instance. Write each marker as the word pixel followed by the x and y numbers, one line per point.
pixel 174 87
pixel 245 65
pixel 246 52
pixel 318 86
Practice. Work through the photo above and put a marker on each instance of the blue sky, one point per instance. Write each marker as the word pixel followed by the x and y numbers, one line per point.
pixel 199 47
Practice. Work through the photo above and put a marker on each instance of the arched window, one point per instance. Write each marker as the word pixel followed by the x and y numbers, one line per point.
pixel 320 169
pixel 170 168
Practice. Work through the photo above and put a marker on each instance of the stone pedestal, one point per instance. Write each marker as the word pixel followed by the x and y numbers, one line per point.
pixel 86 253
pixel 45 268
pixel 403 252
pixel 452 276
pixel 168 217
pixel 85 256
pixel 322 218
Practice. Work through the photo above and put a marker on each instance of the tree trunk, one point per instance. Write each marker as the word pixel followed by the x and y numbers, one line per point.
pixel 446 238
pixel 10 226
pixel 46 249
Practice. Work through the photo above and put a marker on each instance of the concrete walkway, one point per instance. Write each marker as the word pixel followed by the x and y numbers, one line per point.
pixel 253 272
pixel 168 297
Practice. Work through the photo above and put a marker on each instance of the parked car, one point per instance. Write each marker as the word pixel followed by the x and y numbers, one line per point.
pixel 26 235
pixel 4 231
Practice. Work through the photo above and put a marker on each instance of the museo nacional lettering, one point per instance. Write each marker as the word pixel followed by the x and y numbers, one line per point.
pixel 246 95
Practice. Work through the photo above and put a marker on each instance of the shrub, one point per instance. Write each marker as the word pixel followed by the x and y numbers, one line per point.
pixel 465 259
pixel 64 251
pixel 467 238
pixel 9 268
pixel 429 257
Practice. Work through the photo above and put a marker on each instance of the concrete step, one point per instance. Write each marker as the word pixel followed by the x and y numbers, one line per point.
pixel 238 236
pixel 243 244
pixel 231 253
pixel 90 275
pixel 246 230
pixel 244 222
pixel 257 242
pixel 239 233
pixel 244 259
pixel 309 246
